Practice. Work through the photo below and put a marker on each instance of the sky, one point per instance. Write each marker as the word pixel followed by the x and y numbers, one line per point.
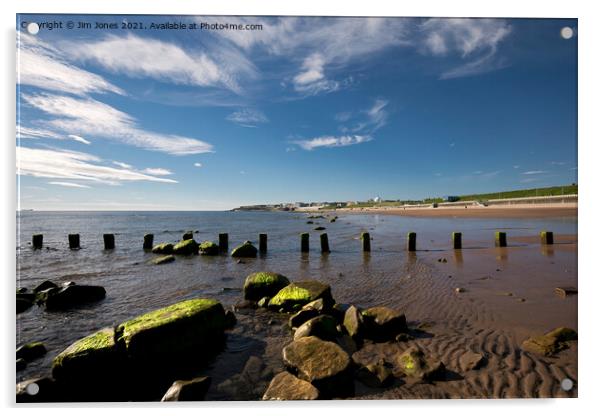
pixel 289 109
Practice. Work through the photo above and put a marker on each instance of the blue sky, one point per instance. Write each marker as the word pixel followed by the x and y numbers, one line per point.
pixel 306 109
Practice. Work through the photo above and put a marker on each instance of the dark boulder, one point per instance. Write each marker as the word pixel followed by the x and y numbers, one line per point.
pixel 46 284
pixel 247 249
pixel 375 375
pixel 31 351
pixel 297 294
pixel 186 247
pixel 353 322
pixel 163 248
pixel 208 248
pixel 383 324
pixel 414 364
pixel 322 326
pixel 75 295
pixel 551 342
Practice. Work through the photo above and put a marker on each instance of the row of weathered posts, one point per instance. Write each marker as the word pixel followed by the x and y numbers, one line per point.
pixel 546 237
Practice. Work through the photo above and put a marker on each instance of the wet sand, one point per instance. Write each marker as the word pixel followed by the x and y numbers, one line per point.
pixel 509 296
pixel 507 211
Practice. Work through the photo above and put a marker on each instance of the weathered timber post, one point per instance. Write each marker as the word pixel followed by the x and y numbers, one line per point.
pixel 457 240
pixel 263 243
pixel 547 237
pixel 304 242
pixel 109 240
pixel 500 239
pixel 223 241
pixel 37 240
pixel 411 241
pixel 324 243
pixel 365 237
pixel 74 241
pixel 148 241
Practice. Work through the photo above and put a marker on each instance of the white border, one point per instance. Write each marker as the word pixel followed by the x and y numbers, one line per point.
pixel 590 35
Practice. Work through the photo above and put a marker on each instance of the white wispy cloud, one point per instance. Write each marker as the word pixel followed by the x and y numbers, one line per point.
pixel 198 165
pixel 123 165
pixel 369 120
pixel 332 141
pixel 475 41
pixel 534 172
pixel 311 80
pixel 86 116
pixel 247 117
pixel 157 171
pixel 42 65
pixel 63 164
pixel 138 57
pixel 79 139
pixel 36 133
pixel 69 184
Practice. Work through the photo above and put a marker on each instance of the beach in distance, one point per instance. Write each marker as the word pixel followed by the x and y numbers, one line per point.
pixel 471 309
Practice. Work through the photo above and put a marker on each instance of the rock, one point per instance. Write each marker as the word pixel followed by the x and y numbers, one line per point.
pixel 186 247
pixel 309 222
pixel 285 386
pixel 302 316
pixel 46 284
pixel 21 364
pixel 333 219
pixel 322 363
pixel 230 319
pixel 95 355
pixel 565 291
pixel 551 342
pixel 353 322
pixel 37 390
pixel 168 334
pixel 301 293
pixel 247 249
pixel 209 248
pixel 163 248
pixel 375 375
pixel 346 343
pixel 246 304
pixel 74 295
pixel 31 351
pixel 188 390
pixel 403 337
pixel 263 284
pixel 319 228
pixel 383 324
pixel 263 302
pixel 323 327
pixel 164 259
pixel 471 361
pixel 414 364
pixel 187 235
pixel 462 290
pixel 338 310
pixel 24 301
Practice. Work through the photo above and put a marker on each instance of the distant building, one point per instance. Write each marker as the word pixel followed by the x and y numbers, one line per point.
pixel 377 199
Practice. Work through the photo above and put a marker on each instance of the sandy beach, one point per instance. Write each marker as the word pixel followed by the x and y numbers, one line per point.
pixel 472 211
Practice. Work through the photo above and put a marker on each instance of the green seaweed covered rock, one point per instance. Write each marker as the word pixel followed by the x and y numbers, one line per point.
pixel 163 248
pixel 322 326
pixel 94 356
pixel 246 249
pixel 414 364
pixel 163 335
pixel 297 294
pixel 186 247
pixel 164 259
pixel 209 248
pixel 263 284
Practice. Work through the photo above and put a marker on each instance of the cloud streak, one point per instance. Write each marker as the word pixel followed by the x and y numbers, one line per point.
pixel 62 164
pixel 43 66
pixel 247 117
pixel 332 141
pixel 86 116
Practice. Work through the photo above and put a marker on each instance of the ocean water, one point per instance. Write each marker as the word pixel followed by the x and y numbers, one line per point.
pixel 135 286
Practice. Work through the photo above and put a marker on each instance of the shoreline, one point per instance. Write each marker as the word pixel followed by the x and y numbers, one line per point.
pixel 504 211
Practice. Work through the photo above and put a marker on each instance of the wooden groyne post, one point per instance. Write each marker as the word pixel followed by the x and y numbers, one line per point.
pixel 223 241
pixel 109 240
pixel 304 242
pixel 411 241
pixel 324 243
pixel 74 241
pixel 500 239
pixel 547 237
pixel 457 240
pixel 148 241
pixel 37 240
pixel 263 243
pixel 365 237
